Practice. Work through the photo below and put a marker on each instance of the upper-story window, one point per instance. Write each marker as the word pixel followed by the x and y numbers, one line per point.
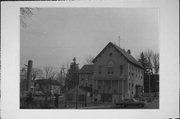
pixel 110 70
pixel 99 69
pixel 110 67
pixel 132 68
pixel 121 69
pixel 110 54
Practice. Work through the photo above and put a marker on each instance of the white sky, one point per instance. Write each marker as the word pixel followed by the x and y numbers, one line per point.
pixel 55 36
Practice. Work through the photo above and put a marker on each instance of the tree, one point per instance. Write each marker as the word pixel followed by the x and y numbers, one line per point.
pixel 88 60
pixel 49 72
pixel 150 60
pixel 149 55
pixel 155 60
pixel 61 75
pixel 143 60
pixel 26 13
pixel 36 73
pixel 72 77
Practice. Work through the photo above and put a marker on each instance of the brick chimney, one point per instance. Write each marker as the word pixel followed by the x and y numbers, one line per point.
pixel 29 75
pixel 129 51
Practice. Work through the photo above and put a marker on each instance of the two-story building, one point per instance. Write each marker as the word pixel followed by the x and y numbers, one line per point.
pixel 86 74
pixel 116 75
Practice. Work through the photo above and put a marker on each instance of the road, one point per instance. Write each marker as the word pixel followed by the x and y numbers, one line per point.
pixel 152 105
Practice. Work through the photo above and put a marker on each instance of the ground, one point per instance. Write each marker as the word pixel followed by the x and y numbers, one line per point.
pixel 154 104
pixel 151 105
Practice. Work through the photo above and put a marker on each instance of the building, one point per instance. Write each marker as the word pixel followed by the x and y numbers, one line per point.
pixel 46 87
pixel 80 95
pixel 116 75
pixel 151 84
pixel 85 76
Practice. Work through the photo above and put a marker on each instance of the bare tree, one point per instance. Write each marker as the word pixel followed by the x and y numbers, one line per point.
pixel 149 54
pixel 152 60
pixel 36 73
pixel 49 72
pixel 155 60
pixel 26 13
pixel 88 59
pixel 61 75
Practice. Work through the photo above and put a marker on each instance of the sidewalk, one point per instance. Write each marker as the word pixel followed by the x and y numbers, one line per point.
pixel 153 105
pixel 98 106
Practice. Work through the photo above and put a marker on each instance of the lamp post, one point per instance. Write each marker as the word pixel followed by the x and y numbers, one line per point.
pixel 149 71
pixel 103 94
pixel 77 87
pixel 86 81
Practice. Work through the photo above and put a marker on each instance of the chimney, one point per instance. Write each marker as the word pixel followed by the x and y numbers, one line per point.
pixel 129 51
pixel 29 75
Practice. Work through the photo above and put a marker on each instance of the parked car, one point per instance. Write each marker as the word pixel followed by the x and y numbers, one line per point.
pixel 131 103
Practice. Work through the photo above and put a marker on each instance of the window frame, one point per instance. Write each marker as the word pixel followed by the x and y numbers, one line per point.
pixel 121 69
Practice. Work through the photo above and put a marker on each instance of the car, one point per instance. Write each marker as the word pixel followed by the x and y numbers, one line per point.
pixel 131 103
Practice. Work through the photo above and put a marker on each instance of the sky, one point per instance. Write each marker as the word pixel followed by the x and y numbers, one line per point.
pixel 55 36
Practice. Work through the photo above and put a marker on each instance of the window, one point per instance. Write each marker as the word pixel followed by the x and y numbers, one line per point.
pixel 110 70
pixel 100 67
pixel 121 69
pixel 129 86
pixel 110 67
pixel 110 54
pixel 81 97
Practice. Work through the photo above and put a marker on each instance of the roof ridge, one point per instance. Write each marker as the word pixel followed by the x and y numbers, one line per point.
pixel 130 56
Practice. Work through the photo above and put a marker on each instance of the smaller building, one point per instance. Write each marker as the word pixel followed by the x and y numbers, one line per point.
pixel 47 87
pixel 85 76
pixel 80 95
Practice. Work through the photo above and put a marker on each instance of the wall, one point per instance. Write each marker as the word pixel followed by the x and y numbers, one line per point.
pixel 135 77
pixel 83 81
pixel 116 78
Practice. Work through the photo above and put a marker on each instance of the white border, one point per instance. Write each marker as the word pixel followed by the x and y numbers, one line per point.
pixel 169 70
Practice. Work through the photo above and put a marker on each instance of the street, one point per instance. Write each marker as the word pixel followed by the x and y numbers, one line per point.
pixel 151 105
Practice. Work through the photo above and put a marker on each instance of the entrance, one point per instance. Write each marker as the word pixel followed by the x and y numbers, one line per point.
pixel 106 97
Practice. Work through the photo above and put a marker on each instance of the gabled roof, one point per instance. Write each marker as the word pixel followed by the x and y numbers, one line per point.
pixel 129 57
pixel 87 69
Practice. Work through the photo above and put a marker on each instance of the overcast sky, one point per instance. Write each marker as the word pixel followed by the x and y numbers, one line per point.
pixel 55 36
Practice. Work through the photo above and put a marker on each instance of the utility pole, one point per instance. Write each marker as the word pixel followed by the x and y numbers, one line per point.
pixel 149 71
pixel 86 92
pixel 75 75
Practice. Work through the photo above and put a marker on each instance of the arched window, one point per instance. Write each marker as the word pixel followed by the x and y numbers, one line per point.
pixel 110 67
